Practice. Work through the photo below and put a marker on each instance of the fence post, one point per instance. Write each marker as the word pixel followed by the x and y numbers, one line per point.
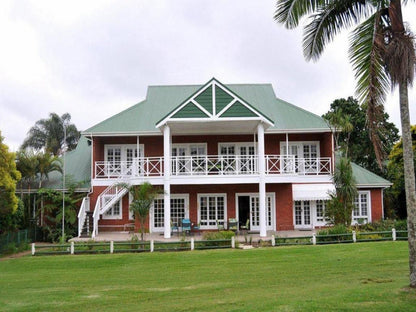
pixel 354 237
pixel 111 246
pixel 393 234
pixel 192 244
pixel 72 248
pixel 152 245
pixel 18 237
pixel 33 249
pixel 313 238
pixel 233 242
pixel 273 241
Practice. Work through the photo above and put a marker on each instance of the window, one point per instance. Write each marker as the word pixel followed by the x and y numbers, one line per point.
pixel 301 157
pixel 188 158
pixel 320 211
pixel 178 210
pixel 240 157
pixel 360 213
pixel 212 208
pixel 115 212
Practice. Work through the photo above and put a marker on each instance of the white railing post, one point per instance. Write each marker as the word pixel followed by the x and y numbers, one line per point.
pixel 393 234
pixel 111 246
pixel 233 242
pixel 152 245
pixel 354 237
pixel 33 249
pixel 72 248
pixel 192 244
pixel 314 239
pixel 273 241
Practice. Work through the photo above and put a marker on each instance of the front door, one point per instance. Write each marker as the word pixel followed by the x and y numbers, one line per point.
pixel 249 209
pixel 302 214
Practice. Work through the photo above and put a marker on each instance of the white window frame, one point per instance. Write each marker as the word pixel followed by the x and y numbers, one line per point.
pixel 237 146
pixel 211 227
pixel 187 147
pixel 172 196
pixel 367 218
pixel 300 145
pixel 112 216
pixel 311 215
pixel 123 150
pixel 272 219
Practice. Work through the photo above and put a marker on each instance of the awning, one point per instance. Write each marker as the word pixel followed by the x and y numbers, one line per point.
pixel 312 191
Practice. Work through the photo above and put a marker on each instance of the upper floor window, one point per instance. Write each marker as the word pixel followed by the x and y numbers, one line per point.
pixel 126 152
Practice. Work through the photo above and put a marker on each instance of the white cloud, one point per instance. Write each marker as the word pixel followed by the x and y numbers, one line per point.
pixel 95 58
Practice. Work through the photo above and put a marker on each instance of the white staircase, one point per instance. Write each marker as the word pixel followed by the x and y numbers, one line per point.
pixel 105 201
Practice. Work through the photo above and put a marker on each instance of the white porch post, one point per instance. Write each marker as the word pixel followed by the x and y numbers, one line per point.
pixel 262 183
pixel 166 175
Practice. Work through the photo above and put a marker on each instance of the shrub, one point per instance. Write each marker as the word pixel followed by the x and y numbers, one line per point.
pixel 335 230
pixel 221 235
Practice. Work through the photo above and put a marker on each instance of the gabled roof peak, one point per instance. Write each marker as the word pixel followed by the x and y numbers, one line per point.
pixel 214 101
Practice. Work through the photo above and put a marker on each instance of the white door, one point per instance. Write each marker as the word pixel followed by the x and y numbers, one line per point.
pixel 255 213
pixel 179 160
pixel 228 154
pixel 302 214
pixel 247 163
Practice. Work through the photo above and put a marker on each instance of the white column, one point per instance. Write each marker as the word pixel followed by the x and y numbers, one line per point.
pixel 166 175
pixel 262 183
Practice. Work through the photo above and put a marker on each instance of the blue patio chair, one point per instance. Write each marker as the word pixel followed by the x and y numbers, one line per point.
pixel 174 227
pixel 186 226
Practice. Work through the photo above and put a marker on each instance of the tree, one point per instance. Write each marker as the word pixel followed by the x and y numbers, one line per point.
pixel 382 53
pixel 48 134
pixel 361 151
pixel 340 206
pixel 27 164
pixel 46 163
pixel 396 195
pixel 143 198
pixel 9 176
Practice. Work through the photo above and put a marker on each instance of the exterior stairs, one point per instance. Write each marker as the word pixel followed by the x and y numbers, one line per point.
pixel 88 225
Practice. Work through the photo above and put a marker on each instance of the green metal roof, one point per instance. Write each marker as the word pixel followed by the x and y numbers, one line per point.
pixel 365 178
pixel 160 100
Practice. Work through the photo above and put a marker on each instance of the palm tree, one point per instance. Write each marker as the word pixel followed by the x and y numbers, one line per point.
pixel 26 164
pixel 46 163
pixel 48 134
pixel 143 198
pixel 382 53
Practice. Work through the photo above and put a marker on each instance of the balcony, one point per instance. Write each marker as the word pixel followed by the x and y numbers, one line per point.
pixel 213 165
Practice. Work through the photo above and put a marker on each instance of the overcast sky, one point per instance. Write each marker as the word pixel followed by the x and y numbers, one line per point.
pixel 96 58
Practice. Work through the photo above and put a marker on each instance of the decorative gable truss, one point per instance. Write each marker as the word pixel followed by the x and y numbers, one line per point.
pixel 214 101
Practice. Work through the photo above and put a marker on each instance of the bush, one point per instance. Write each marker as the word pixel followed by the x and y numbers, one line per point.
pixel 221 235
pixel 335 230
pixel 218 235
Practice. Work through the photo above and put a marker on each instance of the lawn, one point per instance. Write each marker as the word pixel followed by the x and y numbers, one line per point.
pixel 358 277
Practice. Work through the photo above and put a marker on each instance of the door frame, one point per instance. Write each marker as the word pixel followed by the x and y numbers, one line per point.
pixel 250 194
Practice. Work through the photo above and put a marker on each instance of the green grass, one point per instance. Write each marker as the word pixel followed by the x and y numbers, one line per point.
pixel 344 277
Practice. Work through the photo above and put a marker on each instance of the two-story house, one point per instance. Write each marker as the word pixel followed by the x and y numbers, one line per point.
pixel 218 152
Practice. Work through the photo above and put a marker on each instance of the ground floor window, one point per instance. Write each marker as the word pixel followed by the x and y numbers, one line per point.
pixel 360 213
pixel 115 212
pixel 178 211
pixel 212 210
pixel 309 213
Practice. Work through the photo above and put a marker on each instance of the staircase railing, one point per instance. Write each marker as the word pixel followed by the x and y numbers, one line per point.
pixel 85 206
pixel 104 201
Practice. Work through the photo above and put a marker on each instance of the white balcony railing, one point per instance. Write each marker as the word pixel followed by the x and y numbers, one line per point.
pixel 213 165
pixel 289 164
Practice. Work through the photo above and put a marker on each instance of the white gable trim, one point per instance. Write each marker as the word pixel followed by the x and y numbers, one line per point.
pixel 214 116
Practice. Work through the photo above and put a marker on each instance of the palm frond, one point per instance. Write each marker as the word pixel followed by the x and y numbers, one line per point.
pixel 289 12
pixel 366 55
pixel 329 20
